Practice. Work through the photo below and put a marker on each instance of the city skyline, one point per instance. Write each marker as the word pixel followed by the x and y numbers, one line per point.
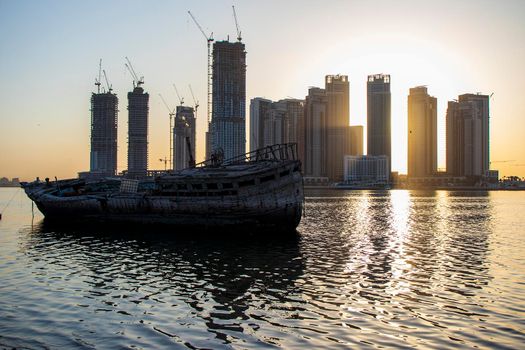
pixel 46 130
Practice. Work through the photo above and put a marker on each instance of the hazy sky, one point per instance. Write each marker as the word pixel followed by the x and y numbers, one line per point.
pixel 49 53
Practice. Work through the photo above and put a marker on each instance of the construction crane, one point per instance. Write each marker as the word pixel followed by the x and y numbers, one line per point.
pixel 171 114
pixel 236 24
pixel 195 102
pixel 110 88
pixel 165 161
pixel 97 81
pixel 181 100
pixel 209 40
pixel 136 80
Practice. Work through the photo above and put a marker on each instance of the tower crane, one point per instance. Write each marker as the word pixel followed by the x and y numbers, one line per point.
pixel 171 114
pixel 97 81
pixel 239 38
pixel 209 40
pixel 110 88
pixel 136 80
pixel 181 100
pixel 195 102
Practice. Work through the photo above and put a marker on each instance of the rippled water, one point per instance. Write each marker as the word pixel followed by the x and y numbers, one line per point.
pixel 367 269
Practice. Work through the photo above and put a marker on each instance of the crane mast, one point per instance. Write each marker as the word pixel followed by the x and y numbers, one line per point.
pixel 209 40
pixel 171 113
pixel 97 81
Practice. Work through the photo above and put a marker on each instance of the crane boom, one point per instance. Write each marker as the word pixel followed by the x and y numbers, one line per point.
pixel 210 37
pixel 134 74
pixel 170 111
pixel 107 82
pixel 181 100
pixel 236 24
pixel 195 102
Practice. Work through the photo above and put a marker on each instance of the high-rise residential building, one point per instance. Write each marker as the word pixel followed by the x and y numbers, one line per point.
pixel 259 111
pixel 337 89
pixel 379 116
pixel 315 109
pixel 355 138
pixel 422 133
pixel 184 127
pixel 327 129
pixel 228 98
pixel 277 122
pixel 138 132
pixel 295 121
pixel 104 118
pixel 467 124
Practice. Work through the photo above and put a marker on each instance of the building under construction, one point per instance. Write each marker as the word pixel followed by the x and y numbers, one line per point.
pixel 104 118
pixel 183 131
pixel 228 131
pixel 138 102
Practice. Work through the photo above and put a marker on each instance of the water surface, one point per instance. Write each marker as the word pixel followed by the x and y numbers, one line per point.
pixel 373 269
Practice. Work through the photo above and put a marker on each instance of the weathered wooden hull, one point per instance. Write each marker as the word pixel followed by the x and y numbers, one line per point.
pixel 275 204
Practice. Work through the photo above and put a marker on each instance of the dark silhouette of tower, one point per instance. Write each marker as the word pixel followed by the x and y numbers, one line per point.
pixel 379 116
pixel 228 130
pixel 138 132
pixel 104 118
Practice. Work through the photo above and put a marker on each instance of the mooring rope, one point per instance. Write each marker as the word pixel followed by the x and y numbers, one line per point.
pixel 9 202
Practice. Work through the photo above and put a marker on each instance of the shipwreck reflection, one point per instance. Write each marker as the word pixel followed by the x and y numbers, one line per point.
pixel 214 278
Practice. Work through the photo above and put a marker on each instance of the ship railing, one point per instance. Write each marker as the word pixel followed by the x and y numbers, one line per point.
pixel 277 152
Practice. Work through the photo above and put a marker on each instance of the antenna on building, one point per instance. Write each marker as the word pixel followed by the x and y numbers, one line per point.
pixel 181 100
pixel 236 24
pixel 97 81
pixel 136 80
pixel 110 88
pixel 171 114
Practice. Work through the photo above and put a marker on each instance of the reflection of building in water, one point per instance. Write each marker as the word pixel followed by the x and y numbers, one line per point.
pixel 366 169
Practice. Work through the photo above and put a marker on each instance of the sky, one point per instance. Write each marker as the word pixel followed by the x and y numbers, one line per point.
pixel 50 50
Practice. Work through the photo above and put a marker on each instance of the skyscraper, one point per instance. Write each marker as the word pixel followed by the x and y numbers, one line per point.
pixel 104 118
pixel 259 111
pixel 229 98
pixel 184 126
pixel 315 133
pixel 138 132
pixel 355 137
pixel 378 116
pixel 468 136
pixel 422 133
pixel 337 90
pixel 277 122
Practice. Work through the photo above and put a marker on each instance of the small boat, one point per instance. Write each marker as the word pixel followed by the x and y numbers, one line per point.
pixel 262 189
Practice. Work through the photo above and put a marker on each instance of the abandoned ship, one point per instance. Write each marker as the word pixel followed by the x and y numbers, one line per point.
pixel 262 189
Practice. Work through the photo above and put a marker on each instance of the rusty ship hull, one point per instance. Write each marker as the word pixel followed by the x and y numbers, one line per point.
pixel 257 194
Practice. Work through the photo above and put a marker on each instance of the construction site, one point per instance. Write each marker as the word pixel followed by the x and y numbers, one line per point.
pixel 226 115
